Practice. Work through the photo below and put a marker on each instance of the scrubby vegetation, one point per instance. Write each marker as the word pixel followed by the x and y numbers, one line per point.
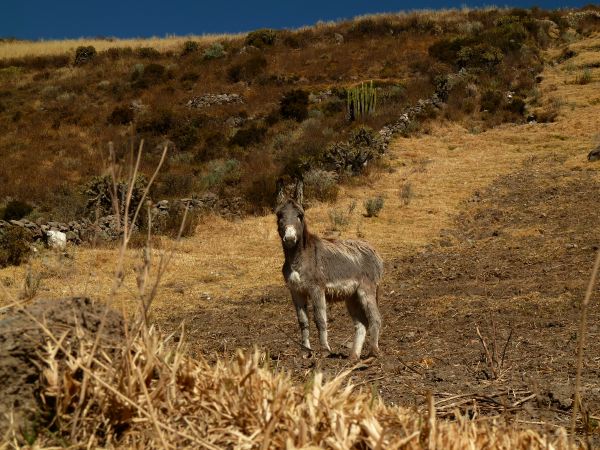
pixel 294 116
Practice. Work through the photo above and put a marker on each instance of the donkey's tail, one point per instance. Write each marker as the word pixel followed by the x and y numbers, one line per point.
pixel 377 294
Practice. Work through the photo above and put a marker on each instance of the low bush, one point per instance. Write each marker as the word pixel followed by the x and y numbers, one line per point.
pixel 248 69
pixel 115 53
pixel 189 47
pixel 143 77
pixel 215 51
pixel 246 137
pixel 84 54
pixel 99 192
pixel 585 77
pixel 221 173
pixel 121 115
pixel 261 38
pixel 147 53
pixel 15 246
pixel 321 185
pixel 373 206
pixel 15 210
pixel 294 105
pixel 491 101
pixel 157 122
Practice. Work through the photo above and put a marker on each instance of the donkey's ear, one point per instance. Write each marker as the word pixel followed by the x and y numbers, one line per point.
pixel 280 195
pixel 299 193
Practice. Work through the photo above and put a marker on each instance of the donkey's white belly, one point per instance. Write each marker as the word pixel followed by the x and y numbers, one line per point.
pixel 340 288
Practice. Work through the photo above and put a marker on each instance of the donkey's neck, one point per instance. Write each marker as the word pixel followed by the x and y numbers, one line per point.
pixel 295 253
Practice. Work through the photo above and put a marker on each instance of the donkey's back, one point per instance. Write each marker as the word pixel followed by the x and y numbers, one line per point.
pixel 346 265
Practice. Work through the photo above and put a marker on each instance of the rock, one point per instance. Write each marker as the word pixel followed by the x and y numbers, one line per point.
pixel 206 100
pixel 72 236
pixel 56 239
pixel 137 105
pixel 235 121
pixel 594 155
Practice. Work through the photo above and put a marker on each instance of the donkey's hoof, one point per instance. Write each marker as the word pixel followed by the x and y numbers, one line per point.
pixel 354 357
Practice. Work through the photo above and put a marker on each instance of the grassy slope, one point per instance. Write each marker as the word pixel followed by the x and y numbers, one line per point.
pixel 444 168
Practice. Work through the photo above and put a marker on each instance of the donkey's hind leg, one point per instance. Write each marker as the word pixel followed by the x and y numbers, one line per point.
pixel 360 320
pixel 302 313
pixel 368 300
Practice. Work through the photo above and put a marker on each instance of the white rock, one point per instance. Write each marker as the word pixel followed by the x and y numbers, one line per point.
pixel 57 239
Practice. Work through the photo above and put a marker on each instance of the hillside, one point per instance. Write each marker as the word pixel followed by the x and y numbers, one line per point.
pixel 237 112
pixel 489 221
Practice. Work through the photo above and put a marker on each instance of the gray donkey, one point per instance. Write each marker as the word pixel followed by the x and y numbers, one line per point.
pixel 329 270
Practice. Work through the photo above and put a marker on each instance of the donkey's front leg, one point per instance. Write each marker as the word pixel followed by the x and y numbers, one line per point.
pixel 320 311
pixel 300 304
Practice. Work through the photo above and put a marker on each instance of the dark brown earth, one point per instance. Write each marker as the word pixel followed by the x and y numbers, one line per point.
pixel 516 263
pixel 23 349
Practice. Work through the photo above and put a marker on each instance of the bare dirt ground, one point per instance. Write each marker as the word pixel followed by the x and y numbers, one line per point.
pixel 515 262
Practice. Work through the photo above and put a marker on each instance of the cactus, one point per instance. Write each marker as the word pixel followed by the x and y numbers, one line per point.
pixel 362 101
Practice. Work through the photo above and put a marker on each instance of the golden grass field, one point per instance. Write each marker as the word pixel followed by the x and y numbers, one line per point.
pixel 444 167
pixel 21 49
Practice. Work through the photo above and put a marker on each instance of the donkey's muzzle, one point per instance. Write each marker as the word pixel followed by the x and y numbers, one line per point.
pixel 290 237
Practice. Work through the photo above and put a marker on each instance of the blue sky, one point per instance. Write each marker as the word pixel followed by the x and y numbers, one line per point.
pixel 47 19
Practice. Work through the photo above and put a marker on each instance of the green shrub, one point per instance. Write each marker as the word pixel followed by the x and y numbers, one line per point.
pixel 189 47
pixel 361 101
pixel 248 69
pixel 16 209
pixel 121 115
pixel 144 76
pixel 261 38
pixel 185 134
pixel 246 137
pixel 373 206
pixel 99 195
pixel 321 185
pixel 294 105
pixel 14 246
pixel 221 173
pixel 585 77
pixel 84 54
pixel 481 55
pixel 215 51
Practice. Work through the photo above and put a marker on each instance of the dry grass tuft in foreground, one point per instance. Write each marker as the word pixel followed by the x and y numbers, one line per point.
pixel 150 394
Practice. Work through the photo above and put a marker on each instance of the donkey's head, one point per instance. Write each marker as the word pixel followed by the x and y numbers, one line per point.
pixel 290 223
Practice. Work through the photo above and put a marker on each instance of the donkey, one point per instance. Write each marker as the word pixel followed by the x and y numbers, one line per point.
pixel 322 270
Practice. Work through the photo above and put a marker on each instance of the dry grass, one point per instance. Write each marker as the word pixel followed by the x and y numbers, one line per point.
pixel 21 49
pixel 151 395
